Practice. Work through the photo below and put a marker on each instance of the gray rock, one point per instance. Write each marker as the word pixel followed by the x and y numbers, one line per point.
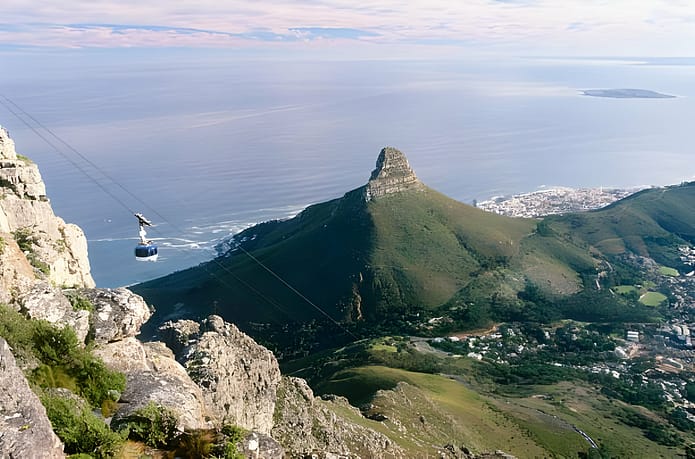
pixel 25 431
pixel 308 426
pixel 161 380
pixel 238 377
pixel 392 174
pixel 259 446
pixel 179 334
pixel 46 302
pixel 118 313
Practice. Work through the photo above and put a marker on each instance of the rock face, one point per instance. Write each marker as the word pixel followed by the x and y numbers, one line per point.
pixel 238 377
pixel 118 313
pixel 25 430
pixel 26 214
pixel 307 425
pixel 391 175
pixel 152 375
pixel 46 302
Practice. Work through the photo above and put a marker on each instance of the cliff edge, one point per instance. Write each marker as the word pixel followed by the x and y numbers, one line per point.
pixel 56 250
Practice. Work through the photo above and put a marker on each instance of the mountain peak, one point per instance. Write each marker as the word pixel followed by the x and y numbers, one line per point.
pixel 392 174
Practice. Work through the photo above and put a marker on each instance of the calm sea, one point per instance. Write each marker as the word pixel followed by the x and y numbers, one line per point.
pixel 207 146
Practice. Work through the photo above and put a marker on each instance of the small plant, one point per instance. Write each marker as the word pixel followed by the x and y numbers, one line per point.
pixel 78 301
pixel 2 245
pixel 197 444
pixel 153 424
pixel 80 430
pixel 26 159
pixel 233 436
pixel 25 239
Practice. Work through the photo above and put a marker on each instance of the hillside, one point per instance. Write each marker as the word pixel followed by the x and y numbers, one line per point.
pixel 390 248
pixel 652 223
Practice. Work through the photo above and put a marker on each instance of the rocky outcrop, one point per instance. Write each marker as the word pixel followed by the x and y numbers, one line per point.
pixel 57 250
pixel 238 377
pixel 118 313
pixel 306 425
pixel 179 334
pixel 392 174
pixel 153 375
pixel 25 430
pixel 46 302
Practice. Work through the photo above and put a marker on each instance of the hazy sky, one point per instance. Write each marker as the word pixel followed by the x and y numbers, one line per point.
pixel 349 28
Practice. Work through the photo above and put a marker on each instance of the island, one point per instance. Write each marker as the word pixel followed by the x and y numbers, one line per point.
pixel 626 94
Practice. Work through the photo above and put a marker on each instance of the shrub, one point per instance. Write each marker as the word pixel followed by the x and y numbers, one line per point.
pixel 63 363
pixel 233 436
pixel 80 430
pixel 78 301
pixel 153 424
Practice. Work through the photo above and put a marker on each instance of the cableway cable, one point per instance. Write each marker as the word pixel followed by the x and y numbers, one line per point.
pixel 17 111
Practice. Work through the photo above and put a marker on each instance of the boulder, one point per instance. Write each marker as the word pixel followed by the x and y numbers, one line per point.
pixel 118 313
pixel 25 431
pixel 160 379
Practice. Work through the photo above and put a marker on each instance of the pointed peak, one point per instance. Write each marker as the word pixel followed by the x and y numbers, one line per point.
pixel 392 174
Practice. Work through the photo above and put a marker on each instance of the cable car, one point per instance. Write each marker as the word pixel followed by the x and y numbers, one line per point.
pixel 145 250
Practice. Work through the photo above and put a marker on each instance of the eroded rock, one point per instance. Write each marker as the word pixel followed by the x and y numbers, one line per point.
pixel 25 431
pixel 238 377
pixel 392 174
pixel 308 426
pixel 118 313
pixel 46 302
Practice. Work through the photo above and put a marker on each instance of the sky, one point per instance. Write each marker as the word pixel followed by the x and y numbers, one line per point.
pixel 347 28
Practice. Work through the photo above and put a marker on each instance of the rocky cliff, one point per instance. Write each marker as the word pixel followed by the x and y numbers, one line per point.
pixel 57 250
pixel 392 174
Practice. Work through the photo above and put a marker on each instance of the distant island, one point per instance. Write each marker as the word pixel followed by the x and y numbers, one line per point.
pixel 626 94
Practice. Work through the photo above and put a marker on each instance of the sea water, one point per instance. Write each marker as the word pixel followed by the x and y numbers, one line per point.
pixel 205 147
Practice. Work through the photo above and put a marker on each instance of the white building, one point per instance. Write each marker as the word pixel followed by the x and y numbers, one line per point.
pixel 633 336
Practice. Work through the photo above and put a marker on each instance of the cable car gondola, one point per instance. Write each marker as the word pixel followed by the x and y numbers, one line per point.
pixel 145 250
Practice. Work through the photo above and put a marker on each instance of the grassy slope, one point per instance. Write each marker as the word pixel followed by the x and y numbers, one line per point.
pixel 526 426
pixel 649 223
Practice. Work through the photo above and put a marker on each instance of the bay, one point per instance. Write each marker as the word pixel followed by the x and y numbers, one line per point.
pixel 205 145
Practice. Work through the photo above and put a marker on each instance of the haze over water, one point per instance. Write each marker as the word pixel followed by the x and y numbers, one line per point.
pixel 211 145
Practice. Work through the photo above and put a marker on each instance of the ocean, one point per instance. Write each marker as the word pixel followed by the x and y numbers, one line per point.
pixel 206 145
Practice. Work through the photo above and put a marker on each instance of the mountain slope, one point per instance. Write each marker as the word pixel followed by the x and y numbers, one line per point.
pixel 651 223
pixel 386 249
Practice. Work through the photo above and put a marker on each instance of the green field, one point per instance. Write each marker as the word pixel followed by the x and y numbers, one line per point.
pixel 666 271
pixel 652 298
pixel 625 289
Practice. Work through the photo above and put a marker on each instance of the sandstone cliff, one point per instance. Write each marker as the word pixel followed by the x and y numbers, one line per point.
pixel 56 249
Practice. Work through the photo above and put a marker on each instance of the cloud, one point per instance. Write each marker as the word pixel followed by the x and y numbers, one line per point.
pixel 593 27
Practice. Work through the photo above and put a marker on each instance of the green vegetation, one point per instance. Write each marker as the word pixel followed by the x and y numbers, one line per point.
pixel 62 361
pixel 27 240
pixel 153 424
pixel 80 430
pixel 26 159
pixel 79 301
pixel 652 298
pixel 666 271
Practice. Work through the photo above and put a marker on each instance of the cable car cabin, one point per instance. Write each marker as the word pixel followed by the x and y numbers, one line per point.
pixel 146 252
